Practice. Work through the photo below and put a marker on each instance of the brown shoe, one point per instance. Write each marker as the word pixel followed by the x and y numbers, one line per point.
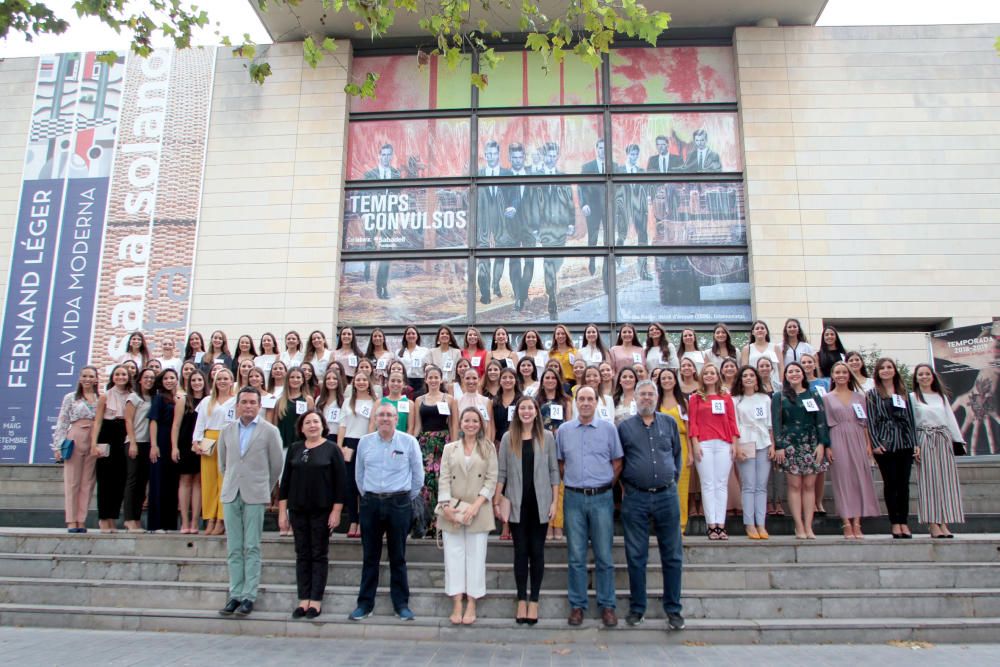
pixel 575 617
pixel 608 617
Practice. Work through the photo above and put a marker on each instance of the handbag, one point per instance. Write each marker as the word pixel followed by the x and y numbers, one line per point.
pixel 66 449
pixel 206 447
pixel 958 449
pixel 103 450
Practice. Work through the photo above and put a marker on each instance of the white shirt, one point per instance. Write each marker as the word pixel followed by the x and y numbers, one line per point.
pixel 174 364
pixel 264 362
pixel 541 358
pixel 936 412
pixel 320 363
pixel 754 354
pixel 697 357
pixel 753 417
pixel 591 354
pixel 222 415
pixel 654 358
pixel 291 361
pixel 414 361
pixel 795 353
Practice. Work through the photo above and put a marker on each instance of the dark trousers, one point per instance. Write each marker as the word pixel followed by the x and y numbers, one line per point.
pixel 312 553
pixel 389 517
pixel 639 508
pixel 529 553
pixel 136 478
pixel 352 486
pixel 895 468
pixel 111 470
pixel 164 480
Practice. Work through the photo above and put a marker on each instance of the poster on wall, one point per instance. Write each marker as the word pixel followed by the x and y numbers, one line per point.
pixel 673 75
pixel 406 218
pixel 968 361
pixel 384 150
pixel 426 291
pixel 49 307
pixel 104 243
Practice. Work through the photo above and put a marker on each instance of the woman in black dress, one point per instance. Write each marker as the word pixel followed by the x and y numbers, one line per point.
pixel 163 470
pixel 188 461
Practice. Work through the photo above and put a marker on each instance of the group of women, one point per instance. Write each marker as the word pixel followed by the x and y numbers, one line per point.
pixel 743 414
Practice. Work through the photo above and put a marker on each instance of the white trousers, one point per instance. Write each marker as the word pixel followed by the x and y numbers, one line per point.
pixel 465 562
pixel 713 470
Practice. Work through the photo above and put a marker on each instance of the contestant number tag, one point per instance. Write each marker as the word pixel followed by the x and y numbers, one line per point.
pixel 231 415
pixel 416 362
pixel 632 408
pixel 859 411
pixel 365 411
pixel 333 415
pixel 403 407
pixel 448 365
pixel 352 361
pixel 758 412
pixel 509 362
pixel 381 364
pixel 476 361
pixel 510 413
pixel 268 402
pixel 898 401
pixel 718 407
pixel 198 356
pixel 300 407
pixel 636 358
pixel 555 412
pixel 443 408
pixel 602 412
pixel 482 411
pixel 810 405
pixel 821 390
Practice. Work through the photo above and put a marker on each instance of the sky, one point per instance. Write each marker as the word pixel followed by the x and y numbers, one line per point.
pixel 238 17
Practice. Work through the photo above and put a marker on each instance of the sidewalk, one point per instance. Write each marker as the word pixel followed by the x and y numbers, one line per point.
pixel 32 646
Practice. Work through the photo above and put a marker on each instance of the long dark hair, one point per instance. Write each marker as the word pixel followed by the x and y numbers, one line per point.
pixel 325 396
pixel 676 393
pixel 111 378
pixel 737 389
pixel 936 384
pixel 827 357
pixel 78 395
pixel 190 402
pixel 864 367
pixel 158 388
pixel 787 390
pixel 664 341
pixel 416 343
pixel 717 350
pixel 897 380
pixel 617 395
pixel 355 350
pixel 188 352
pixel 560 395
pixel 537 430
pixel 784 334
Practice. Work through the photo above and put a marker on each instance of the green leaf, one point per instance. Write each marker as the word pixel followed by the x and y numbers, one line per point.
pixel 480 81
pixel 259 72
pixel 311 52
pixel 329 45
pixel 537 42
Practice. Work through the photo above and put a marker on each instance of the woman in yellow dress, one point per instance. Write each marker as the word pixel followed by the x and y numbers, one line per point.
pixel 673 403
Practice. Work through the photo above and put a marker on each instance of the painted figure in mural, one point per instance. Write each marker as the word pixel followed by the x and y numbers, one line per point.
pixel 664 162
pixel 556 219
pixel 382 172
pixel 632 208
pixel 491 230
pixel 593 200
pixel 702 158
pixel 520 225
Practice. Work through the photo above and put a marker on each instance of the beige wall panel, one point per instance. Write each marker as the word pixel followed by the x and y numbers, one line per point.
pixel 872 155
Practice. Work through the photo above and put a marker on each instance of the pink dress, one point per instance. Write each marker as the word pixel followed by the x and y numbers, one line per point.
pixel 850 472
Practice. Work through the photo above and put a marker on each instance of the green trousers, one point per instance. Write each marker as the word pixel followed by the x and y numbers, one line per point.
pixel 244 525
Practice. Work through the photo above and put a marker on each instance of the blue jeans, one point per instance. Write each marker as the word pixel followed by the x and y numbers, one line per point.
pixel 590 518
pixel 389 517
pixel 663 509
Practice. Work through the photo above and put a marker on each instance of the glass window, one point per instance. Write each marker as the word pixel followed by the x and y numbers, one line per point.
pixel 677 213
pixel 676 143
pixel 385 292
pixel 673 75
pixel 406 218
pixel 412 148
pixel 519 81
pixel 683 288
pixel 550 144
pixel 412 82
pixel 547 216
pixel 533 289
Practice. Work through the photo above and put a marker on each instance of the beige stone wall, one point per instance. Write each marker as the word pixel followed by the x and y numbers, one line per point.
pixel 873 174
pixel 17 90
pixel 268 240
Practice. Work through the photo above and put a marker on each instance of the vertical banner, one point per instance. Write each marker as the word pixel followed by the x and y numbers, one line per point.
pixel 81 230
pixel 29 288
pixel 968 361
pixel 152 222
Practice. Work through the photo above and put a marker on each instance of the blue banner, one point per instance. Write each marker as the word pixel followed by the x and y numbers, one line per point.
pixel 29 291
pixel 74 295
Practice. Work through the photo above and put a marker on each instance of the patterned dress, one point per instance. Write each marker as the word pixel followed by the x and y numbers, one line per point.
pixel 432 440
pixel 798 431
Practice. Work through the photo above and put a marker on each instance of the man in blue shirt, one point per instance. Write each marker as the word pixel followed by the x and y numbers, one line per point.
pixel 652 447
pixel 590 459
pixel 389 471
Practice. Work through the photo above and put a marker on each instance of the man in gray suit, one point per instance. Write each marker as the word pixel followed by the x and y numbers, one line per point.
pixel 250 465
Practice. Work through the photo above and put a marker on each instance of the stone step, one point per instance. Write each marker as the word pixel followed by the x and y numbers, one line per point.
pixel 748 604
pixel 784 576
pixel 547 631
pixel 697 550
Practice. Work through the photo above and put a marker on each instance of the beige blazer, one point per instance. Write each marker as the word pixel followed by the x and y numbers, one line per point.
pixel 457 483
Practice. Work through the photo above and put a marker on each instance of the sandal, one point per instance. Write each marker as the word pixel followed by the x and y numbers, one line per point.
pixel 723 535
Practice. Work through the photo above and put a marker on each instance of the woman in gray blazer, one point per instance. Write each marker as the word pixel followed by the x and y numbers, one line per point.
pixel 529 478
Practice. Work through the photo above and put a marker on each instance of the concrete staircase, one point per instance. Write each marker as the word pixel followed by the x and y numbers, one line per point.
pixel 783 590
pixel 32 496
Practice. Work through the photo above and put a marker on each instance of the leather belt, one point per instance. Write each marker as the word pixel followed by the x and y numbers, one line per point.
pixel 590 492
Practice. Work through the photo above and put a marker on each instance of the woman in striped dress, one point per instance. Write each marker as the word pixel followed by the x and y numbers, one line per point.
pixel 940 496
